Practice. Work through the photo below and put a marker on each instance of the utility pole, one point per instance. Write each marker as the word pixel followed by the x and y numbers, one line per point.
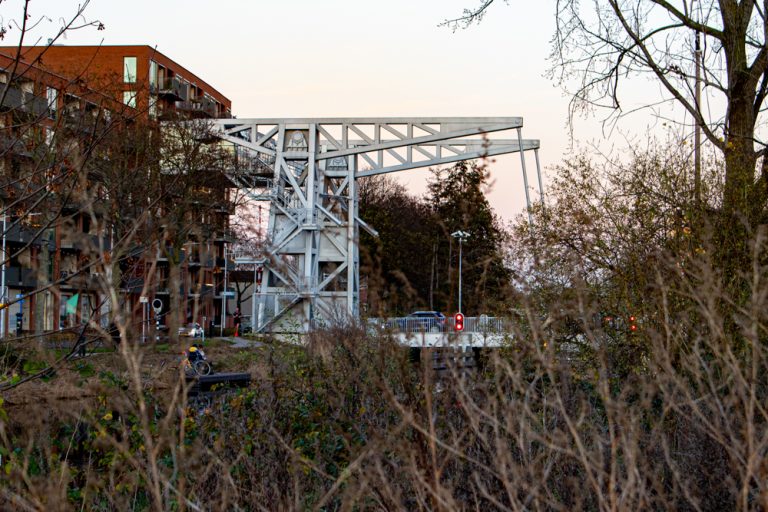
pixel 461 236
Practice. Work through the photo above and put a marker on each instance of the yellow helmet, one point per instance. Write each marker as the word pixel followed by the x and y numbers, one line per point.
pixel 193 349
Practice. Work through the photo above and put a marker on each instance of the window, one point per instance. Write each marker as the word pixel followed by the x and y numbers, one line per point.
pixel 152 74
pixel 129 98
pixel 53 101
pixel 153 107
pixel 86 308
pixel 129 70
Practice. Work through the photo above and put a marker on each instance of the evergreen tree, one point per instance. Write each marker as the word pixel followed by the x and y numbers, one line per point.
pixel 458 202
pixel 395 265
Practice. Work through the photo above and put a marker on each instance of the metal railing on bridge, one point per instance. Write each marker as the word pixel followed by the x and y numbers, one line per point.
pixel 472 324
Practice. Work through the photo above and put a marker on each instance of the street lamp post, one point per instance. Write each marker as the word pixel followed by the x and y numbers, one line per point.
pixel 224 295
pixel 461 236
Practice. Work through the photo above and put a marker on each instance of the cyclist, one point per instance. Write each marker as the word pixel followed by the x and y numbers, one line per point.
pixel 195 354
pixel 197 364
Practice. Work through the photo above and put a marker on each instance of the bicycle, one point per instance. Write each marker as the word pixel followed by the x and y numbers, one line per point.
pixel 199 367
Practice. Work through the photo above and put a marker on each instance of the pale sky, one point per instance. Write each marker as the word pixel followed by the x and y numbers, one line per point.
pixel 354 58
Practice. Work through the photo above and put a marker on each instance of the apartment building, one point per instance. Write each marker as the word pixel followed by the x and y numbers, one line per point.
pixel 59 96
pixel 139 76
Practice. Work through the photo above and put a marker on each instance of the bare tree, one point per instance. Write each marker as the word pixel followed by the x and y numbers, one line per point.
pixel 598 46
pixel 469 16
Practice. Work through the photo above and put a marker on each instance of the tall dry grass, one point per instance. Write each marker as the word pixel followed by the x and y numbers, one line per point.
pixel 570 415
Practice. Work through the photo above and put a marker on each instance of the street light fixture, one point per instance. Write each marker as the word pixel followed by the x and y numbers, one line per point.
pixel 461 236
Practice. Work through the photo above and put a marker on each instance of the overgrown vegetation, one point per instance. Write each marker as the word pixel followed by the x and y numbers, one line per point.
pixel 634 377
pixel 576 413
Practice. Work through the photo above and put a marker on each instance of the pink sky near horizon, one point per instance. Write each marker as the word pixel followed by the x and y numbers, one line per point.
pixel 352 58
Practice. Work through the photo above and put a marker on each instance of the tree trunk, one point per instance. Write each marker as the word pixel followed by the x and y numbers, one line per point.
pixel 176 304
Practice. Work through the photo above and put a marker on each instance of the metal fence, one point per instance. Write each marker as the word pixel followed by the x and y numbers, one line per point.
pixel 478 324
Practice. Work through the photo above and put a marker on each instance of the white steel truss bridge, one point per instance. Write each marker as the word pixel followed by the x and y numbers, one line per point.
pixel 308 170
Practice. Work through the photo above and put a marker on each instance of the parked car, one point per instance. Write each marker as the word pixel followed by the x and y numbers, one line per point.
pixel 432 321
pixel 193 330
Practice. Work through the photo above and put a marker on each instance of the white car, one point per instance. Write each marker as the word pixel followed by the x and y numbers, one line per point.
pixel 193 330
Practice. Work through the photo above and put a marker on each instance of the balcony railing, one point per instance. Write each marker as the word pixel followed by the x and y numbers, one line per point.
pixel 82 241
pixel 75 279
pixel 224 236
pixel 132 284
pixel 174 88
pixel 19 101
pixel 17 234
pixel 200 291
pixel 194 260
pixel 198 108
pixel 20 277
pixel 13 145
pixel 84 122
pixel 481 324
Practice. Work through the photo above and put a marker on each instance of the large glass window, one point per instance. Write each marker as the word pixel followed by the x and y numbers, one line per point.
pixel 129 70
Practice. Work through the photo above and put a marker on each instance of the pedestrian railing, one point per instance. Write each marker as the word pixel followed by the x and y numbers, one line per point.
pixel 480 324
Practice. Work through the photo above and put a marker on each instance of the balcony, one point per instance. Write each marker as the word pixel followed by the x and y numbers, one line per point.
pixel 23 235
pixel 87 122
pixel 19 277
pixel 81 241
pixel 161 286
pixel 195 261
pixel 169 254
pixel 16 146
pixel 173 88
pixel 200 291
pixel 227 207
pixel 78 280
pixel 13 145
pixel 197 108
pixel 132 284
pixel 17 100
pixel 223 236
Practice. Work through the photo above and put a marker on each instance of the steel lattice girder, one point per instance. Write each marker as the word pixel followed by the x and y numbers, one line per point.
pixel 307 169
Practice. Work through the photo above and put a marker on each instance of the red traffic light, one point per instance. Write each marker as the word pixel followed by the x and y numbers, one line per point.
pixel 458 322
